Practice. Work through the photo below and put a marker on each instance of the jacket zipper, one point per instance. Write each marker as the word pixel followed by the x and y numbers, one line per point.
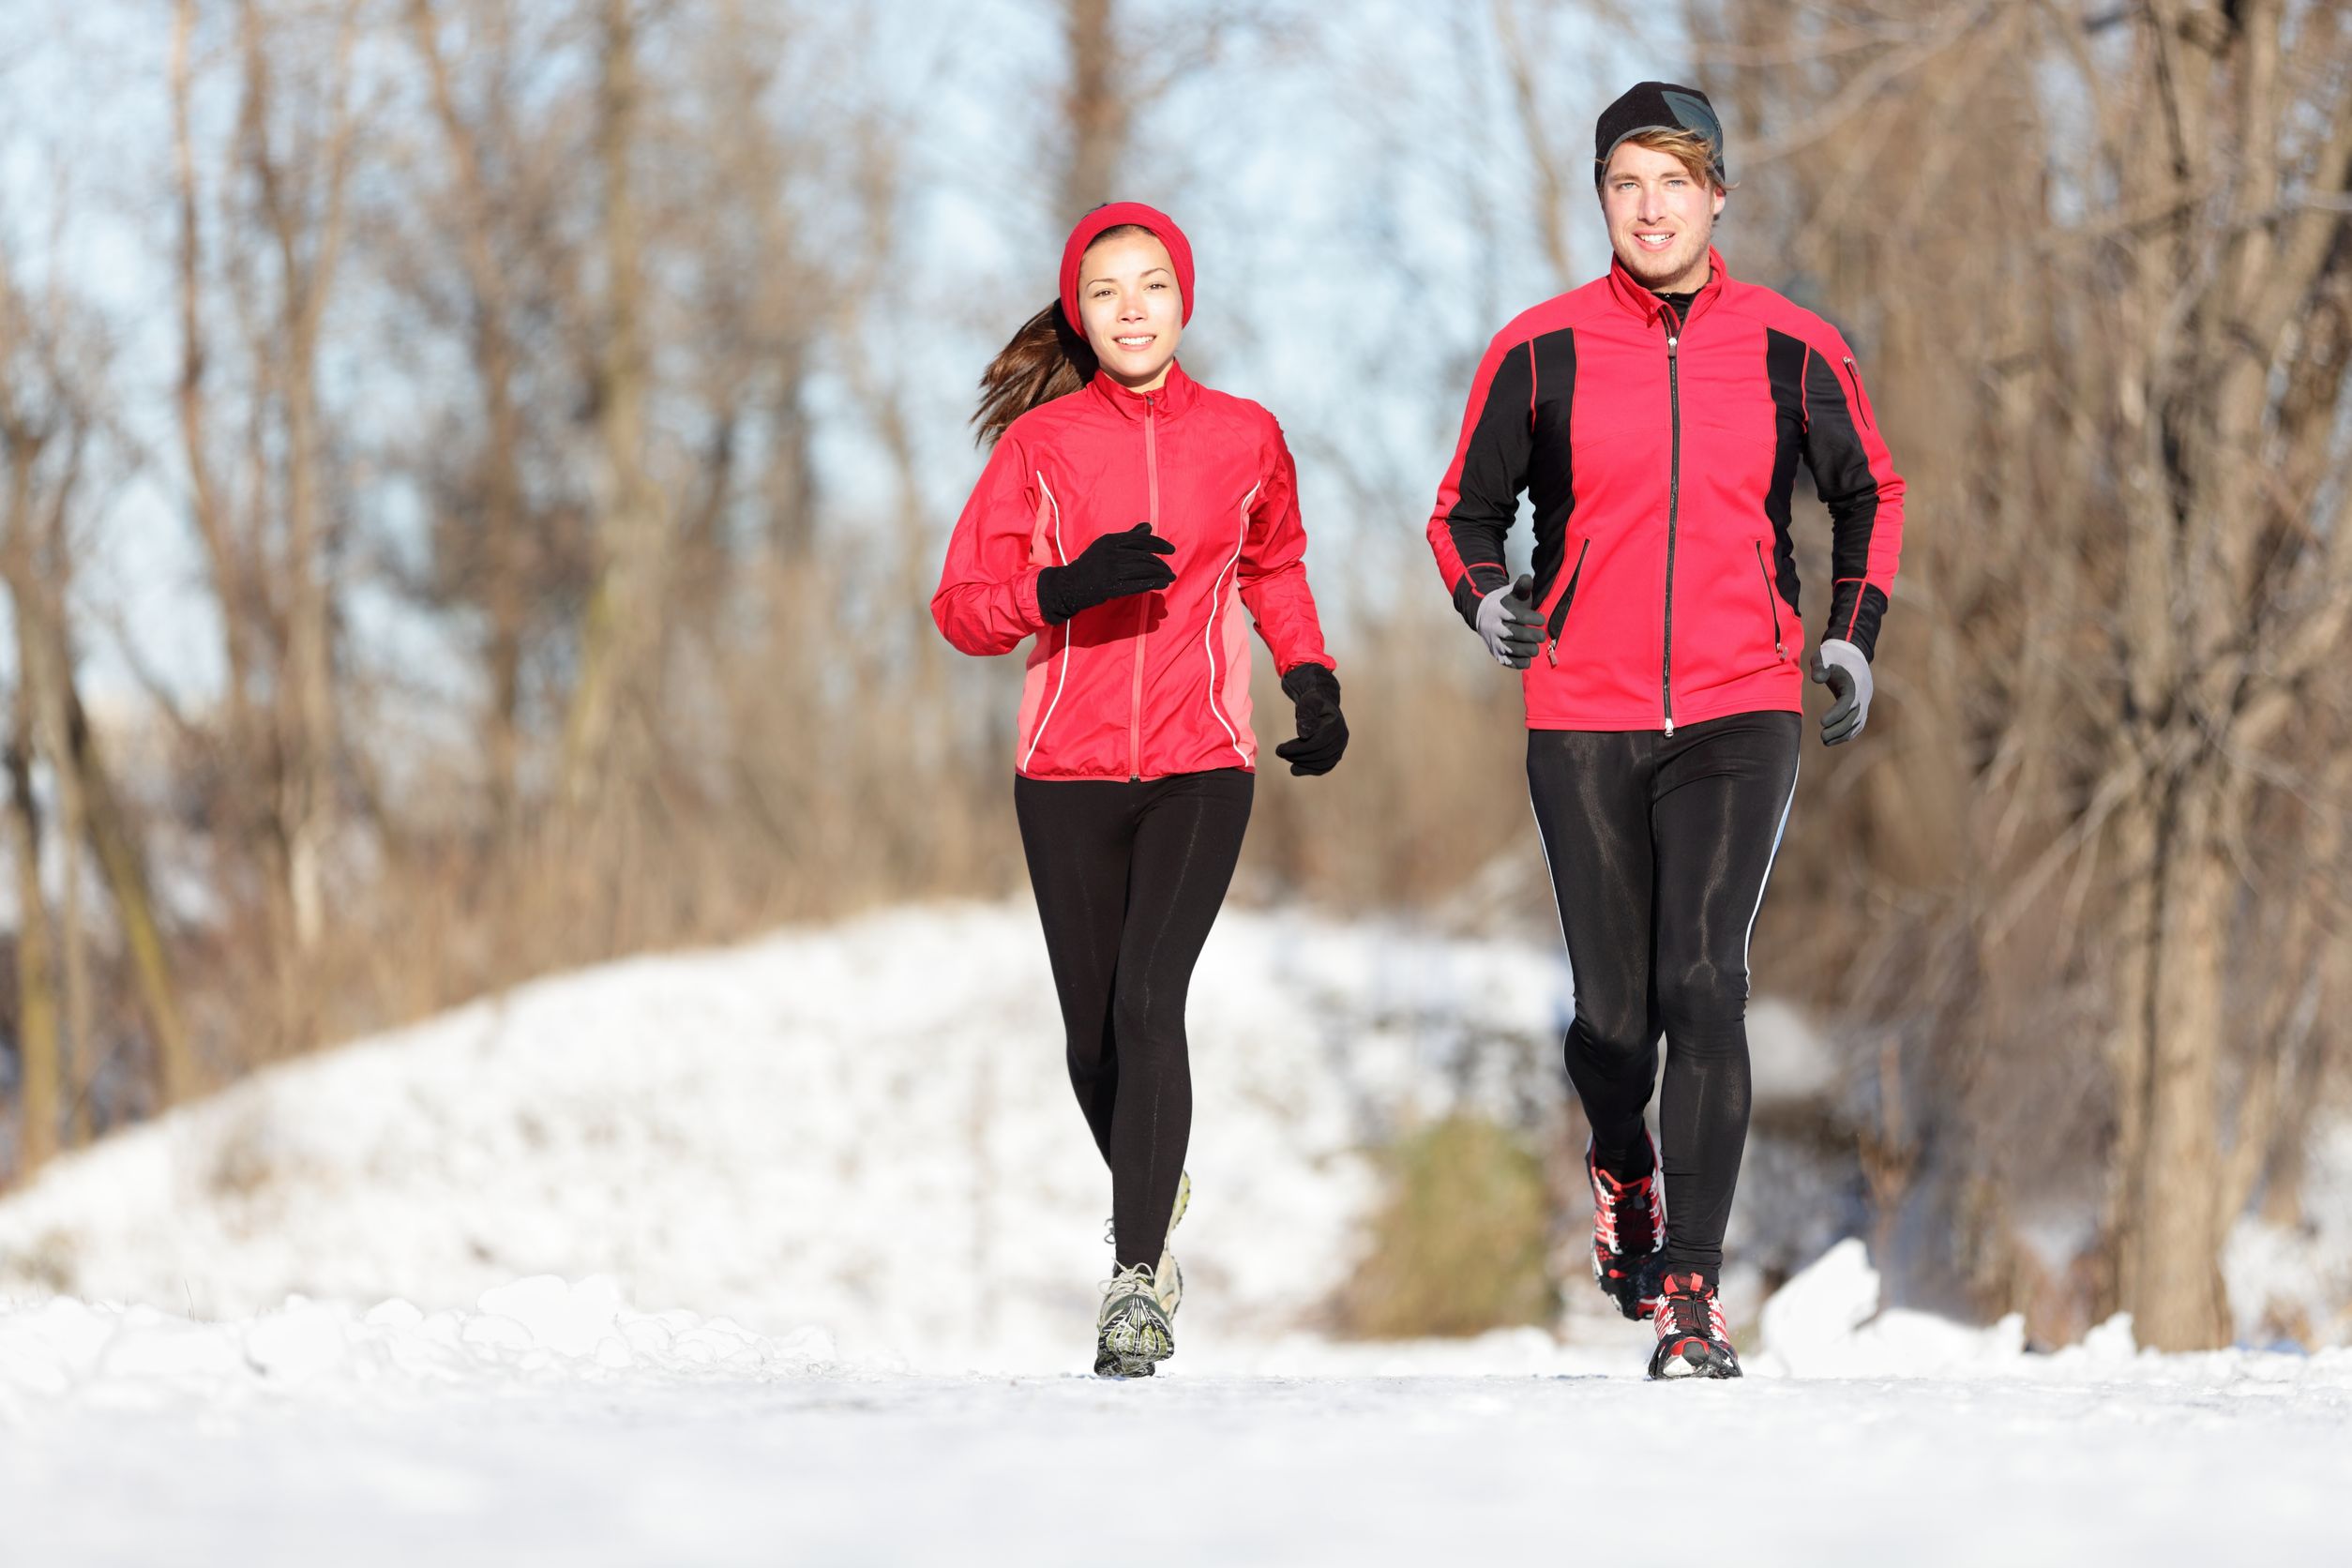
pixel 1143 601
pixel 1559 610
pixel 1674 510
pixel 1854 375
pixel 1780 649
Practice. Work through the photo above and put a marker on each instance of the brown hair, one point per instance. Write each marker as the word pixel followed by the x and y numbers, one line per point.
pixel 1045 360
pixel 1692 150
pixel 1048 358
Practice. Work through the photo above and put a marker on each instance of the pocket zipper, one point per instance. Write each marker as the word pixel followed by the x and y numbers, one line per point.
pixel 1780 648
pixel 1559 610
pixel 1862 409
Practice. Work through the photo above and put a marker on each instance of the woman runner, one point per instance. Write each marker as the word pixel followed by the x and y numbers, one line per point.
pixel 1127 518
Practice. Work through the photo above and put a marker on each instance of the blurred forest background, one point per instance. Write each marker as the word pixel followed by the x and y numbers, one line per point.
pixel 472 472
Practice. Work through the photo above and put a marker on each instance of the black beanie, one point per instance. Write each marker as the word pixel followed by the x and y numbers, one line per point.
pixel 1657 106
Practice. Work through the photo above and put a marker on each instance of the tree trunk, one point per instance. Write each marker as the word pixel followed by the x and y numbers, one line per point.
pixel 620 640
pixel 1097 105
pixel 124 866
pixel 494 361
pixel 43 673
pixel 36 990
pixel 2168 1268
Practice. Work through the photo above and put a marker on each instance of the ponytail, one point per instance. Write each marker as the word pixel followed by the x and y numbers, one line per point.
pixel 1045 360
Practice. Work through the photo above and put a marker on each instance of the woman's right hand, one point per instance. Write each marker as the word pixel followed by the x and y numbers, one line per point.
pixel 1111 567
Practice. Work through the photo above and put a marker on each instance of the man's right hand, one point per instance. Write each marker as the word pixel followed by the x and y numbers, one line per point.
pixel 1113 566
pixel 1508 623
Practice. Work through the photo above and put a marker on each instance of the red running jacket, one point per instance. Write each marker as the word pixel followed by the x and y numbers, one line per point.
pixel 1659 457
pixel 1152 684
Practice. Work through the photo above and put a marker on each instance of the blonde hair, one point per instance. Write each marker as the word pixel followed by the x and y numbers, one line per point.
pixel 1692 150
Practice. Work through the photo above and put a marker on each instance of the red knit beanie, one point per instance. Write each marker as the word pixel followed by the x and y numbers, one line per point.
pixel 1111 216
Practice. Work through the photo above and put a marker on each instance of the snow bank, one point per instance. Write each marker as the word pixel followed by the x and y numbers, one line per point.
pixel 2296 1280
pixel 865 1126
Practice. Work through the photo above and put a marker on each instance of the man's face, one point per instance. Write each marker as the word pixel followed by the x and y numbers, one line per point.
pixel 1661 217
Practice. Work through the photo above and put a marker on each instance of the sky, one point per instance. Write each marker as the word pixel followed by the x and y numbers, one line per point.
pixel 1352 181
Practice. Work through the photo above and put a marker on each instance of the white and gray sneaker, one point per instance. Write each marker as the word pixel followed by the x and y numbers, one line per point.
pixel 1131 1333
pixel 1170 1278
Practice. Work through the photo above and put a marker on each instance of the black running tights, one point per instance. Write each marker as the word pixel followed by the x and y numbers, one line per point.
pixel 1129 876
pixel 1659 846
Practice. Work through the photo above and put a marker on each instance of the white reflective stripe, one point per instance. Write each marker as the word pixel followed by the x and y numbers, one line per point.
pixel 1777 834
pixel 1208 639
pixel 1558 909
pixel 1061 558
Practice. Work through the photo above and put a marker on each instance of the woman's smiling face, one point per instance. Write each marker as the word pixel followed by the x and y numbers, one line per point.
pixel 1134 312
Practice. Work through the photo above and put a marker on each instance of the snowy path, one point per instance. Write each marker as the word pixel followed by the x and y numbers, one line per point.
pixel 200 1362
pixel 882 1467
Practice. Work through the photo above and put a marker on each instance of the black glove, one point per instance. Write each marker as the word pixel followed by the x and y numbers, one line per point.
pixel 1113 566
pixel 1322 732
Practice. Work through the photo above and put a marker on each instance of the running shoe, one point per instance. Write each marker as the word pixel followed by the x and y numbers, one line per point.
pixel 1171 1278
pixel 1131 1333
pixel 1628 1226
pixel 1692 1339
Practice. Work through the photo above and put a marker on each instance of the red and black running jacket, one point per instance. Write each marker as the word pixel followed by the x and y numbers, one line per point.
pixel 1152 684
pixel 1659 457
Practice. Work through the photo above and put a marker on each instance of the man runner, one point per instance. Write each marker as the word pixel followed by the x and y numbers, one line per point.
pixel 1656 416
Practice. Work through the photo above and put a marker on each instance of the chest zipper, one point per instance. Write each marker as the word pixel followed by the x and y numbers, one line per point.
pixel 1143 601
pixel 1674 508
pixel 1771 606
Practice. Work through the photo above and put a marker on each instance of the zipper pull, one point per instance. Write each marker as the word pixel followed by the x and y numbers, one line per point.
pixel 1669 729
pixel 1551 651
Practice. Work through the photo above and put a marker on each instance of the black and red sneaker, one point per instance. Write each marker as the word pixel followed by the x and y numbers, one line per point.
pixel 1692 1339
pixel 1628 1225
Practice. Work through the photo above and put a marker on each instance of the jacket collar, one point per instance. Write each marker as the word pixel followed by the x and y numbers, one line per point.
pixel 1174 397
pixel 1629 292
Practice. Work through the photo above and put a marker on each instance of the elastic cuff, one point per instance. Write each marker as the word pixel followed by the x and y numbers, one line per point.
pixel 1474 588
pixel 1308 676
pixel 1031 592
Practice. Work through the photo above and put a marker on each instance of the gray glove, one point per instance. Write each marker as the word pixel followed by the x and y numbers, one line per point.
pixel 1840 666
pixel 1508 622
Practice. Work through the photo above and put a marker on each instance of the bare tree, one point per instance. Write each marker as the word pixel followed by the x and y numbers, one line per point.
pixel 280 208
pixel 2123 382
pixel 612 709
pixel 484 209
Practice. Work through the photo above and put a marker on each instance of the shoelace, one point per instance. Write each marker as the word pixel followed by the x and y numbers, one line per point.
pixel 1608 1193
pixel 1684 1311
pixel 1131 1281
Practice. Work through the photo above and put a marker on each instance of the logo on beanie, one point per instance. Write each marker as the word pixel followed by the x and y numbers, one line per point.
pixel 1694 113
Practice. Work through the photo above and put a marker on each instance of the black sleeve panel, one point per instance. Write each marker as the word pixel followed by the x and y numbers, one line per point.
pixel 1551 465
pixel 1841 473
pixel 1785 367
pixel 1494 472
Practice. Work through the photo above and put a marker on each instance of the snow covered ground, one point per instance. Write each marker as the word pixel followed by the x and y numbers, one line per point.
pixel 837 1171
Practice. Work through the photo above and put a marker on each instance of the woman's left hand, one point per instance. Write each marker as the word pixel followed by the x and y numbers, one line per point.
pixel 1322 732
